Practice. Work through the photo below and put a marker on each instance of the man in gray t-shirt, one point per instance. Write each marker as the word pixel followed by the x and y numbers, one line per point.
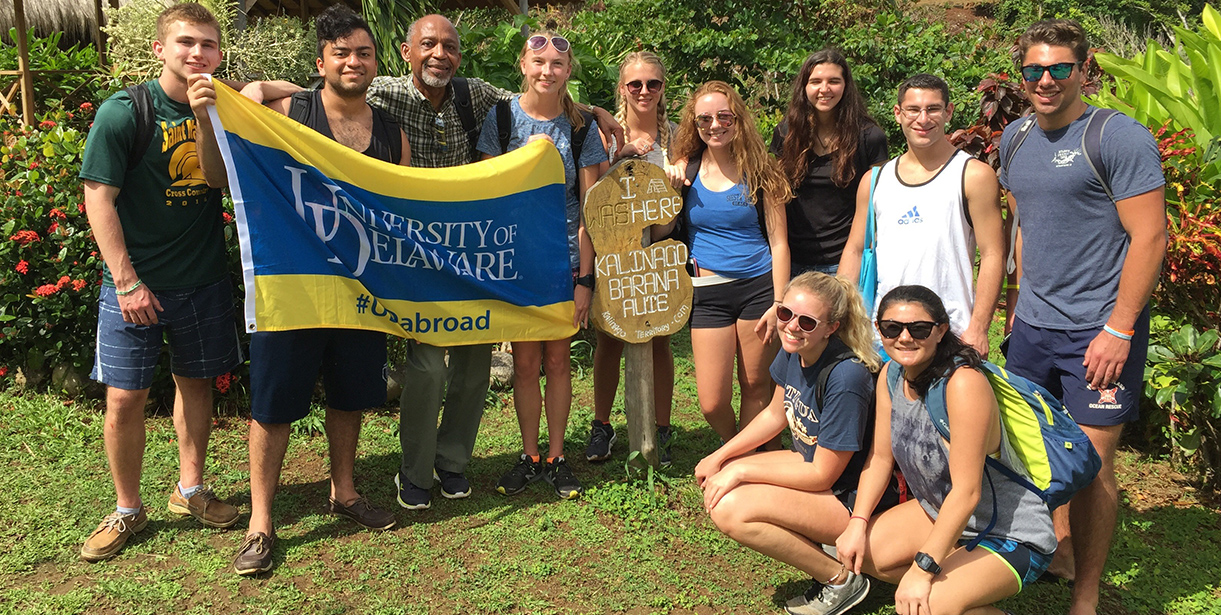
pixel 1089 262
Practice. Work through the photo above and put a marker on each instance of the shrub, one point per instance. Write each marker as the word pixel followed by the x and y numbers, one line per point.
pixel 62 90
pixel 1183 378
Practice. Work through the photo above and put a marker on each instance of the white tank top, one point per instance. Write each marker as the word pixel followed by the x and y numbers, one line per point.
pixel 924 237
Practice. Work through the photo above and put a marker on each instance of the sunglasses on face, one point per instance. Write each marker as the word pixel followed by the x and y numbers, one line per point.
pixel 724 118
pixel 1034 72
pixel 919 329
pixel 653 85
pixel 538 42
pixel 804 322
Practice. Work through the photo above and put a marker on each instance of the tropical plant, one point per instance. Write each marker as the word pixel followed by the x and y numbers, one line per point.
pixel 131 28
pixel 390 20
pixel 274 48
pixel 1183 377
pixel 76 76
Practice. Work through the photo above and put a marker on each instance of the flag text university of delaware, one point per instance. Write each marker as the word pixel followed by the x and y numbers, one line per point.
pixel 333 238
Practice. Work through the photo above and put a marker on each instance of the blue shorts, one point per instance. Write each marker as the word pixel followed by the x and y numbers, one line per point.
pixel 284 367
pixel 197 322
pixel 1052 359
pixel 1026 563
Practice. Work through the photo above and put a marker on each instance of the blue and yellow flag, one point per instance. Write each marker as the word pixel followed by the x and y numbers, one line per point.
pixel 333 238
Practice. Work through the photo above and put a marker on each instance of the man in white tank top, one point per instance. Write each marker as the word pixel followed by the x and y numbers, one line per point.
pixel 932 205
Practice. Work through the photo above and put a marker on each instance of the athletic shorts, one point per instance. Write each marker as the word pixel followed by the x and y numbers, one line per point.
pixel 890 498
pixel 284 367
pixel 197 322
pixel 723 305
pixel 1052 359
pixel 1026 563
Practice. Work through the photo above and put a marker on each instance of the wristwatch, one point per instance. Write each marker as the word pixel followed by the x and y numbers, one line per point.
pixel 586 280
pixel 927 563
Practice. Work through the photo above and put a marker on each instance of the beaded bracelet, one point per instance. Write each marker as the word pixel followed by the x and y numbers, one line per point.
pixel 1123 335
pixel 124 293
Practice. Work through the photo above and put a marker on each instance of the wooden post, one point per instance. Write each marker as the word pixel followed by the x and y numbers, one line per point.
pixel 23 64
pixel 99 37
pixel 641 289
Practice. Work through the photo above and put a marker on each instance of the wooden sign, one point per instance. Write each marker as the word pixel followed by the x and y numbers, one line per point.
pixel 640 290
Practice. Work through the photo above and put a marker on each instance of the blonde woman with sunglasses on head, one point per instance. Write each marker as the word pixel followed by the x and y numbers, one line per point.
pixel 786 504
pixel 546 110
pixel 734 224
pixel 648 131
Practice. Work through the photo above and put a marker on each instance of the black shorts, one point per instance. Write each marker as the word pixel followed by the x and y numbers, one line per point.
pixel 722 305
pixel 284 366
pixel 890 498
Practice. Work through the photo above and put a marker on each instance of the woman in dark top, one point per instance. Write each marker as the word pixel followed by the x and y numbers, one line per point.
pixel 826 144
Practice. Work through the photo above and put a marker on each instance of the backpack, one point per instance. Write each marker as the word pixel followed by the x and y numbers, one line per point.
pixel 1051 456
pixel 462 103
pixel 301 105
pixel 146 123
pixel 504 126
pixel 1091 146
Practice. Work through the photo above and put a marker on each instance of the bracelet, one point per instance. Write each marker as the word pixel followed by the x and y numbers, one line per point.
pixel 1123 335
pixel 139 282
pixel 1013 287
pixel 865 519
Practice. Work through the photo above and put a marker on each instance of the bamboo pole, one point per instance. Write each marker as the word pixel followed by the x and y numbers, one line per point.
pixel 23 64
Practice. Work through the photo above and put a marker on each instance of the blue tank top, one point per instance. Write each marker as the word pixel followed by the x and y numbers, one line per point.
pixel 725 237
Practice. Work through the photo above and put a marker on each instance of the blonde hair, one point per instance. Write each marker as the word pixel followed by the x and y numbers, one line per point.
pixel 845 306
pixel 759 169
pixel 572 110
pixel 663 120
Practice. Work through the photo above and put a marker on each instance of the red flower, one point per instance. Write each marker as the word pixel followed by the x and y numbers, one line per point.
pixel 46 290
pixel 64 281
pixel 46 124
pixel 78 285
pixel 23 267
pixel 81 207
pixel 3 371
pixel 24 237
pixel 33 164
pixel 224 215
pixel 223 382
pixel 57 213
pixel 54 227
pixel 86 106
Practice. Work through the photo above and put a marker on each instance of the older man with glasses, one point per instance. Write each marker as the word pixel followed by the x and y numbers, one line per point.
pixel 442 114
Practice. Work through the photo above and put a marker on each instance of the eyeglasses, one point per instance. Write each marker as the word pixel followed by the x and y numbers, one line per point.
pixel 804 322
pixel 1034 72
pixel 724 118
pixel 919 329
pixel 653 85
pixel 913 113
pixel 439 125
pixel 538 42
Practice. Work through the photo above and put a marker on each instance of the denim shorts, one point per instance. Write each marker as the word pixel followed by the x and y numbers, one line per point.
pixel 1026 563
pixel 284 366
pixel 197 322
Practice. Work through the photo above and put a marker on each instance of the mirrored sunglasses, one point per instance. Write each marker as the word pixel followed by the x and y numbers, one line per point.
pixel 919 329
pixel 724 118
pixel 805 322
pixel 1034 72
pixel 538 42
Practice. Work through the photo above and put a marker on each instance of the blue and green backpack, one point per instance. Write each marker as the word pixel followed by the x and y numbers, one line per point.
pixel 1050 454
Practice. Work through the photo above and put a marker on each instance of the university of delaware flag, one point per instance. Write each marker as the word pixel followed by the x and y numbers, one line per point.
pixel 333 238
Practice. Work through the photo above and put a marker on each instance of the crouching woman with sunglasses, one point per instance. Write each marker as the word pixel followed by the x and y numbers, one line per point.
pixel 920 544
pixel 785 504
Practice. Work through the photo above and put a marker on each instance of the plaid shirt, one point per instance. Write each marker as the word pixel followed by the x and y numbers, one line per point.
pixel 399 97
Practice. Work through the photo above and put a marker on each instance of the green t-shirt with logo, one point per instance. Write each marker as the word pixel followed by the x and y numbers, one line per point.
pixel 171 219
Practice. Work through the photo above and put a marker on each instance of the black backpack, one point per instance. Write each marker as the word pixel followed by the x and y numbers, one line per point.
pixel 504 125
pixel 466 114
pixel 146 122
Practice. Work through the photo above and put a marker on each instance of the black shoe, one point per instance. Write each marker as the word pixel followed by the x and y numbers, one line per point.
pixel 254 556
pixel 560 476
pixel 410 496
pixel 665 437
pixel 601 437
pixel 517 479
pixel 453 484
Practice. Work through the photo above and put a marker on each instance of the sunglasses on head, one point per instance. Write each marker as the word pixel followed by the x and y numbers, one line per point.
pixel 653 85
pixel 919 329
pixel 724 118
pixel 1034 72
pixel 538 42
pixel 804 322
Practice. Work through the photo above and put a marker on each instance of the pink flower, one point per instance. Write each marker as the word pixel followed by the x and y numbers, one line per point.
pixel 23 267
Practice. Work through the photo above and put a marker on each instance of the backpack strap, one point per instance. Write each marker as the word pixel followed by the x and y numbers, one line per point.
pixel 1091 144
pixel 1022 132
pixel 871 238
pixel 577 139
pixel 462 103
pixel 146 123
pixel 299 108
pixel 504 124
pixel 820 386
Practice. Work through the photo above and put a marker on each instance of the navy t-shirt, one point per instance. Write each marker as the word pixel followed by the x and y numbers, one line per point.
pixel 1073 243
pixel 843 424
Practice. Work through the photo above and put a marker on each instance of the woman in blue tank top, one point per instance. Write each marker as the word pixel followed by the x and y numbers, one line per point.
pixel 734 217
pixel 922 544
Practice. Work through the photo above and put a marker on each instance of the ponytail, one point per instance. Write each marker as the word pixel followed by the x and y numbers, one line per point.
pixel 846 307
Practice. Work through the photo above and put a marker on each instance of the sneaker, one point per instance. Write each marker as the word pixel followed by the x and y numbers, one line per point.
pixel 601 437
pixel 205 507
pixel 453 484
pixel 362 512
pixel 665 436
pixel 523 473
pixel 410 496
pixel 112 534
pixel 826 600
pixel 254 556
pixel 559 475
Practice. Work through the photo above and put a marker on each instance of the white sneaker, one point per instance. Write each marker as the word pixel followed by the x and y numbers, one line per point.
pixel 827 600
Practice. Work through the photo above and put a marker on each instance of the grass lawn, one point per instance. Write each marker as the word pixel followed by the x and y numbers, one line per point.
pixel 622 548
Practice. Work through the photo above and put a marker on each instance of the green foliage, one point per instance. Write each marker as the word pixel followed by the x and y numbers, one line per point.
pixel 59 90
pixel 132 28
pixel 49 266
pixel 1139 14
pixel 1183 377
pixel 389 20
pixel 275 48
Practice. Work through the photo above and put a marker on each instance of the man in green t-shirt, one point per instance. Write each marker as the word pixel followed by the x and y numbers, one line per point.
pixel 159 228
